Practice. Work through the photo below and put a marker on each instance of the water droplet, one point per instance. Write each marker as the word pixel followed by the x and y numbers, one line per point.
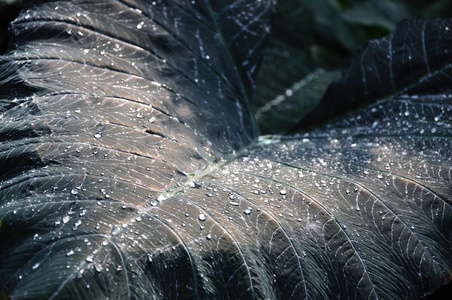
pixel 71 252
pixel 187 214
pixel 35 266
pixel 152 120
pixel 192 184
pixel 115 230
pixel 202 217
pixel 161 198
pixel 283 191
pixel 247 211
pixel 209 236
pixel 97 135
pixel 209 194
pixel 138 219
pixel 90 259
pixel 66 219
pixel 98 268
pixel 140 25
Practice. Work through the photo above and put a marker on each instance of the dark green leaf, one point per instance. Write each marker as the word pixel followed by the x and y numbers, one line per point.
pixel 106 108
pixel 287 109
pixel 129 169
pixel 413 60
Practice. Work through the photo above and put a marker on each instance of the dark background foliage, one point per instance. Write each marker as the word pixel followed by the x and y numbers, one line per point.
pixel 8 12
pixel 324 36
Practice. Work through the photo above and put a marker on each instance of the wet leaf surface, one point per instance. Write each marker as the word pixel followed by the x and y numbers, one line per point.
pixel 130 164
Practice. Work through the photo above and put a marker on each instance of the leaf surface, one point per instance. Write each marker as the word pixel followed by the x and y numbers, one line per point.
pixel 417 63
pixel 129 167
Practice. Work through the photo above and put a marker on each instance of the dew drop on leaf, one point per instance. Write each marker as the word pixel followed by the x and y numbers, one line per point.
pixel 202 217
pixel 115 230
pixel 98 268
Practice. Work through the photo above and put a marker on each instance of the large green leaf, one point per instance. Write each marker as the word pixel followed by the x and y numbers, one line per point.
pixel 129 166
pixel 107 107
pixel 400 65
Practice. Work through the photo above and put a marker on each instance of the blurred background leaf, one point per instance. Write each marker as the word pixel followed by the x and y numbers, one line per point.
pixel 8 12
pixel 315 39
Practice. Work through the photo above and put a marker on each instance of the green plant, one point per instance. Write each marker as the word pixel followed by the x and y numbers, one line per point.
pixel 132 167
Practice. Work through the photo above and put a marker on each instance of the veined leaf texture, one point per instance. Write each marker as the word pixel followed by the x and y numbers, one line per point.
pixel 131 166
